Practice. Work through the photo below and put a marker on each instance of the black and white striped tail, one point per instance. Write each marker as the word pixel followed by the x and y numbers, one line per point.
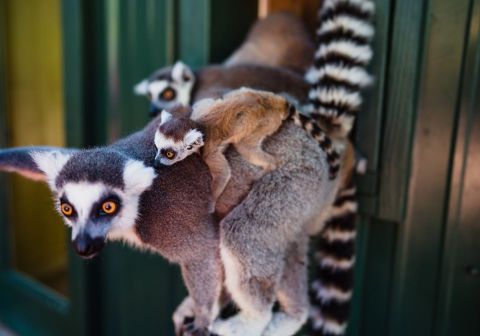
pixel 339 71
pixel 334 259
pixel 313 129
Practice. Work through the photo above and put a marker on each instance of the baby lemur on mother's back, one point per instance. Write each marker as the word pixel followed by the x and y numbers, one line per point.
pixel 243 118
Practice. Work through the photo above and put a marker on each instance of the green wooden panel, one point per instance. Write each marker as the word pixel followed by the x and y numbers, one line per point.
pixel 401 99
pixel 368 128
pixel 459 292
pixel 30 308
pixel 194 32
pixel 5 238
pixel 209 30
pixel 420 236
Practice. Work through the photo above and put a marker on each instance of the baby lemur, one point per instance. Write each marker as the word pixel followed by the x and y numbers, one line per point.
pixel 242 118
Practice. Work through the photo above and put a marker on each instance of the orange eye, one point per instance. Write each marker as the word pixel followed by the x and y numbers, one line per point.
pixel 170 154
pixel 66 209
pixel 109 207
pixel 168 94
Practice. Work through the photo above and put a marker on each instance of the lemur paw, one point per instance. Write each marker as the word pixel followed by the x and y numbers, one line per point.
pixel 183 314
pixel 189 329
pixel 239 325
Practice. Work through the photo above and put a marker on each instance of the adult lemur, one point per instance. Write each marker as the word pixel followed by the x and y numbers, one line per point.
pixel 273 58
pixel 264 252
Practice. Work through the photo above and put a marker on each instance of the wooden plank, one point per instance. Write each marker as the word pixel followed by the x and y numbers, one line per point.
pixel 238 17
pixel 459 292
pixel 369 122
pixel 194 32
pixel 400 107
pixel 5 234
pixel 373 280
pixel 30 308
pixel 420 237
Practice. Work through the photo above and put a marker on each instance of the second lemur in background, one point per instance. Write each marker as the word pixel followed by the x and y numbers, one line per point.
pixel 274 57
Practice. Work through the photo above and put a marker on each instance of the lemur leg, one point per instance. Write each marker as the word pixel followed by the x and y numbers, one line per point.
pixel 253 295
pixel 220 170
pixel 291 294
pixel 251 150
pixel 203 278
pixel 184 314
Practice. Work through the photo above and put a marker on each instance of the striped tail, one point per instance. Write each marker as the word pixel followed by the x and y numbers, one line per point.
pixel 339 72
pixel 312 127
pixel 331 289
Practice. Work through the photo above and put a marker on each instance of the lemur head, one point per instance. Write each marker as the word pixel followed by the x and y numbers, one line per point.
pixel 96 192
pixel 177 136
pixel 167 87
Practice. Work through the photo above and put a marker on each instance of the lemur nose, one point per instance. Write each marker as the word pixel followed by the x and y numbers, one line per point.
pixel 156 163
pixel 86 246
pixel 154 110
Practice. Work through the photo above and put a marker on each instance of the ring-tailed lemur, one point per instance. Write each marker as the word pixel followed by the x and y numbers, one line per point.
pixel 114 193
pixel 243 118
pixel 179 84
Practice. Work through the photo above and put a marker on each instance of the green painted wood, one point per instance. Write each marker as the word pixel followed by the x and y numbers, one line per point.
pixel 194 32
pixel 420 235
pixel 209 30
pixel 29 308
pixel 230 21
pixel 400 107
pixel 368 128
pixel 5 237
pixel 459 292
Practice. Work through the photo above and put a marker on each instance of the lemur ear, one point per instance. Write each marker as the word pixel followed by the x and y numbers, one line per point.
pixel 50 163
pixel 165 116
pixel 181 73
pixel 141 89
pixel 34 163
pixel 193 138
pixel 137 177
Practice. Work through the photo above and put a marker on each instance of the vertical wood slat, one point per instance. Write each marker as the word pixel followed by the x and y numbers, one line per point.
pixel 369 122
pixel 459 291
pixel 209 30
pixel 400 107
pixel 419 247
pixel 5 234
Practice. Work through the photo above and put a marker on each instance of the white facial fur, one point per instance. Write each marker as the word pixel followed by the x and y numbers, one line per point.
pixel 182 83
pixel 84 195
pixel 191 143
pixel 51 163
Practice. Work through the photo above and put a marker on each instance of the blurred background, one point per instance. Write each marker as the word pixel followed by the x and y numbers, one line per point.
pixel 67 69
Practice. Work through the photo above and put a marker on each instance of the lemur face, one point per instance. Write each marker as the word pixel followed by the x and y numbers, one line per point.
pixel 176 139
pixel 167 87
pixel 97 194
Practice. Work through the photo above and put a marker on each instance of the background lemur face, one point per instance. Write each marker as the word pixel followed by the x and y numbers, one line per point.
pixel 95 199
pixel 167 87
pixel 175 139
